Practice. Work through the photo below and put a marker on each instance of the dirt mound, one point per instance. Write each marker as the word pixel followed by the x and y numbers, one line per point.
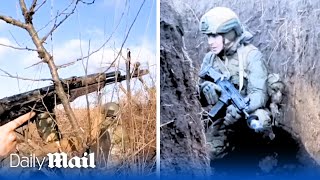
pixel 182 139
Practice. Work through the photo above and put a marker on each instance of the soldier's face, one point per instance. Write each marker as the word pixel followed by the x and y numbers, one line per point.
pixel 215 42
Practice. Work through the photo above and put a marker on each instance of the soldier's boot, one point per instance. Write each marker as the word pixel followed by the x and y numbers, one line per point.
pixel 48 128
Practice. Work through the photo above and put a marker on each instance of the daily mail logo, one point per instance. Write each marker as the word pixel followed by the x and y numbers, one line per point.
pixel 56 160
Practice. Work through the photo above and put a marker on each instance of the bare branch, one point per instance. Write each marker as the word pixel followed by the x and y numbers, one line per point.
pixel 17 48
pixel 23 7
pixel 15 40
pixel 125 39
pixel 87 3
pixel 35 64
pixel 40 6
pixel 112 63
pixel 68 64
pixel 26 14
pixel 12 21
pixel 115 50
pixel 33 6
pixel 18 83
pixel 25 79
pixel 97 50
pixel 18 77
pixel 55 26
pixel 56 17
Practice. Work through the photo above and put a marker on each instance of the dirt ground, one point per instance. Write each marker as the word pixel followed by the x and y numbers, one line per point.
pixel 286 32
pixel 181 139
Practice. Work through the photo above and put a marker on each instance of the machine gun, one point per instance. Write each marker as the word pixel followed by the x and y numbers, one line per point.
pixel 44 99
pixel 229 94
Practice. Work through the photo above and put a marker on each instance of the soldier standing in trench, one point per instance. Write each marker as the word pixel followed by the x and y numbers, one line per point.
pixel 232 53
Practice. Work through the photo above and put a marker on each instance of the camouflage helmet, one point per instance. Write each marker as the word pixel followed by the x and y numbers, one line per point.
pixel 110 109
pixel 220 20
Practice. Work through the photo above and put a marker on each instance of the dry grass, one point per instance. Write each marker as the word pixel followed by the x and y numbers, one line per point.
pixel 133 134
pixel 138 121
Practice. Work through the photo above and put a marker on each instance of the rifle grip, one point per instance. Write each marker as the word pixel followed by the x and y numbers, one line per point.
pixel 216 108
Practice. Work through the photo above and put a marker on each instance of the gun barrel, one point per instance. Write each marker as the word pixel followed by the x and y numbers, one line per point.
pixel 44 99
pixel 113 74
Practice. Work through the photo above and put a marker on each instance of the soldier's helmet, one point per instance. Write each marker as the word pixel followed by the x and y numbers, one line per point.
pixel 111 109
pixel 220 20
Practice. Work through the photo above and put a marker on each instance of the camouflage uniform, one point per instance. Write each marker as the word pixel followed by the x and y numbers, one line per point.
pixel 102 146
pixel 243 64
pixel 49 131
pixel 47 127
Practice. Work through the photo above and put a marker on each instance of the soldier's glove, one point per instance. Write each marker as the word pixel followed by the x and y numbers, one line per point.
pixel 263 120
pixel 232 115
pixel 263 123
pixel 209 90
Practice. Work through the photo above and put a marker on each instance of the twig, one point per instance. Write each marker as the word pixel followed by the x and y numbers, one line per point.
pixel 286 61
pixel 40 6
pixel 314 63
pixel 55 26
pixel 248 20
pixel 17 77
pixel 14 38
pixel 95 51
pixel 145 145
pixel 17 48
pixel 33 6
pixel 87 3
pixel 164 124
pixel 12 21
pixel 123 89
pixel 35 64
pixel 87 99
pixel 126 37
pixel 274 49
pixel 23 7
pixel 54 19
pixel 194 14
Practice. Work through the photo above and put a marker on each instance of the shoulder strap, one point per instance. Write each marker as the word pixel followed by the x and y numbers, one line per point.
pixel 243 52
